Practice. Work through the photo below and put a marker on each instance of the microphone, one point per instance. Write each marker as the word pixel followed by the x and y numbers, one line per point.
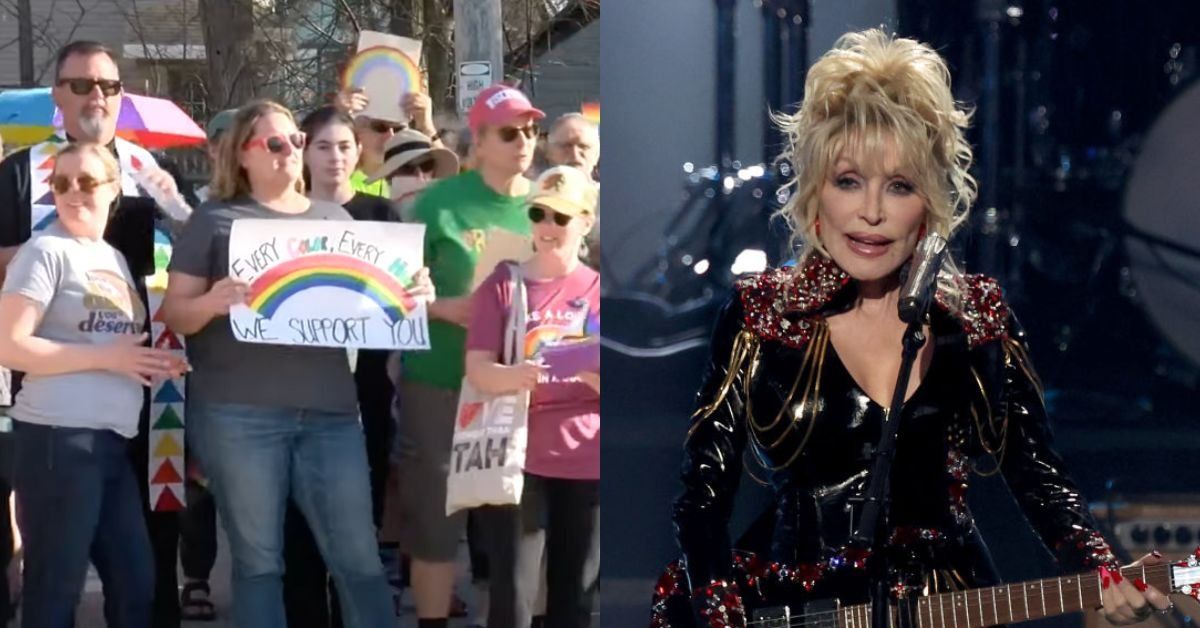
pixel 917 292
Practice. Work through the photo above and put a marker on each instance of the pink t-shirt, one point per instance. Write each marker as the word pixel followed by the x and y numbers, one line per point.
pixel 564 414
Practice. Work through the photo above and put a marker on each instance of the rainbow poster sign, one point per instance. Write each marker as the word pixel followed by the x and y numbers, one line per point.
pixel 328 283
pixel 386 68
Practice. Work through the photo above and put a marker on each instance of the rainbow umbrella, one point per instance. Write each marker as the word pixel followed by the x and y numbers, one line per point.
pixel 28 116
pixel 25 116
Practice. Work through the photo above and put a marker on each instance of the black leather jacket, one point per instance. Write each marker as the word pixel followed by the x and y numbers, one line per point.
pixel 777 396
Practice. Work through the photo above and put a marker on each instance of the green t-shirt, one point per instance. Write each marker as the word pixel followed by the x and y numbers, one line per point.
pixel 358 181
pixel 457 213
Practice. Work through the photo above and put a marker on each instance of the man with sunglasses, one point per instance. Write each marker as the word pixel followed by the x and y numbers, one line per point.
pixel 374 134
pixel 457 213
pixel 88 91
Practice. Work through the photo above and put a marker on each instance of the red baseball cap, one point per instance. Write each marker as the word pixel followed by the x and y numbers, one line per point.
pixel 500 104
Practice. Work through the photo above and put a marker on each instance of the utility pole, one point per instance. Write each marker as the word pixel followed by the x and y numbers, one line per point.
pixel 478 48
pixel 25 41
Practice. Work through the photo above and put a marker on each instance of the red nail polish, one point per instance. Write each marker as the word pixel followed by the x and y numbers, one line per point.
pixel 1116 576
pixel 1140 585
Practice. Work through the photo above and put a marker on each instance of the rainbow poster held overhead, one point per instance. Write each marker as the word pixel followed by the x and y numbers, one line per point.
pixel 328 283
pixel 385 67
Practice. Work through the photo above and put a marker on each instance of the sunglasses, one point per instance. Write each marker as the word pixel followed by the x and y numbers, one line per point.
pixel 383 126
pixel 86 183
pixel 538 214
pixel 510 133
pixel 425 165
pixel 83 87
pixel 277 143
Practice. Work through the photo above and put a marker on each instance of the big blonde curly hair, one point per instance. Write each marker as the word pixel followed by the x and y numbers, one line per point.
pixel 871 88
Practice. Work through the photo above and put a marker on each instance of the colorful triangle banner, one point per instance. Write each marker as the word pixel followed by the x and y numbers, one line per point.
pixel 168 340
pixel 167 501
pixel 47 221
pixel 168 394
pixel 167 446
pixel 48 165
pixel 166 474
pixel 168 420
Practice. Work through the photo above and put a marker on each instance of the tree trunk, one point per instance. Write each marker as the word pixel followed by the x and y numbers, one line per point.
pixel 439 53
pixel 232 52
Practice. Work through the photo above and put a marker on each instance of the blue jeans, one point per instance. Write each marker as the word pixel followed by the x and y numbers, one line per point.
pixel 77 500
pixel 255 457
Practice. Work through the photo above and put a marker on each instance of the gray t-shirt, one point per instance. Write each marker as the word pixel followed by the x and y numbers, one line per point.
pixel 87 297
pixel 225 370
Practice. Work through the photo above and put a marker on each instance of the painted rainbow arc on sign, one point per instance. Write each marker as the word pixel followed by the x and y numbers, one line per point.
pixel 382 58
pixel 281 282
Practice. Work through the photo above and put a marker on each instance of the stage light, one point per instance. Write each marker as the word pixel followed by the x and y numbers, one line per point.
pixel 749 261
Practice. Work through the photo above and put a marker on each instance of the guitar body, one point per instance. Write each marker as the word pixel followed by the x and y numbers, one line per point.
pixel 770 592
pixel 834 594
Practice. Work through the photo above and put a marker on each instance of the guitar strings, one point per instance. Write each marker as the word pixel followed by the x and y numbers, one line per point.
pixel 863 610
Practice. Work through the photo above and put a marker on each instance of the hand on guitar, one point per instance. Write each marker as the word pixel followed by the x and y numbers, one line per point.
pixel 1130 600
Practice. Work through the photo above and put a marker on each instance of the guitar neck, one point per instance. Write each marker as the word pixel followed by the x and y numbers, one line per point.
pixel 1005 604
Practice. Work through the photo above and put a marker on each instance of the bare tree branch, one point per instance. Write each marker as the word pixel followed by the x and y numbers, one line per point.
pixel 134 22
pixel 350 14
pixel 44 33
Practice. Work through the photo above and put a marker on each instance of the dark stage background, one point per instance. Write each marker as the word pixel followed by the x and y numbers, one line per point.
pixel 1087 138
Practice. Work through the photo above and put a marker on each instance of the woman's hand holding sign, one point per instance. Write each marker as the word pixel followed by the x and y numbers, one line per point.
pixel 225 294
pixel 422 287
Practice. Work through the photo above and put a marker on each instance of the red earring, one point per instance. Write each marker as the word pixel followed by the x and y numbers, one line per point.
pixel 817 227
pixel 921 233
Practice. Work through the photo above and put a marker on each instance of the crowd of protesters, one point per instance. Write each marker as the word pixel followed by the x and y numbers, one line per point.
pixel 328 475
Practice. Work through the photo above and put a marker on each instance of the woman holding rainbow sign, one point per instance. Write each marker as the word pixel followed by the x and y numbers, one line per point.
pixel 269 422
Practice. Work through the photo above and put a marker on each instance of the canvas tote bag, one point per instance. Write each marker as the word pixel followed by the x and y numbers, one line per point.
pixel 491 432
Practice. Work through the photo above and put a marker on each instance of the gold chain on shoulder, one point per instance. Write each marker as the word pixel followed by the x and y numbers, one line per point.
pixel 744 345
pixel 744 361
pixel 1014 353
pixel 811 368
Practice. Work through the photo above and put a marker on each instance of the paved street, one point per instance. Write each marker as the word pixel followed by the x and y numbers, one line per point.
pixel 91 614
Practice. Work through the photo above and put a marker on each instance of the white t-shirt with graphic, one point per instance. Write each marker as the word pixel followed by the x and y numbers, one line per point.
pixel 87 297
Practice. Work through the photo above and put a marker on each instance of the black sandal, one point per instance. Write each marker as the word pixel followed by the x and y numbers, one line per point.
pixel 194 604
pixel 458 608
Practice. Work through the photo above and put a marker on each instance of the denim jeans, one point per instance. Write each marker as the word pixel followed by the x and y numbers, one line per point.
pixel 256 457
pixel 77 500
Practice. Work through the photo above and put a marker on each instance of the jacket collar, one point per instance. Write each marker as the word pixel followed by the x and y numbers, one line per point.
pixel 782 304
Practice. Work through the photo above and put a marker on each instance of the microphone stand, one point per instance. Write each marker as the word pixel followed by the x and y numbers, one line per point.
pixel 871 532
